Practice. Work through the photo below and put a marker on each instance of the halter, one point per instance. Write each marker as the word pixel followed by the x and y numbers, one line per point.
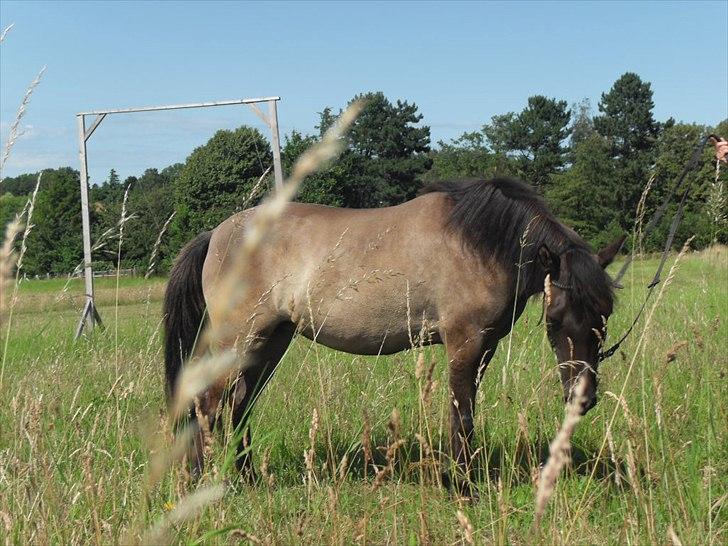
pixel 557 284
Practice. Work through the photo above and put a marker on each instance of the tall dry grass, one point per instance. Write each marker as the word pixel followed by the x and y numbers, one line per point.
pixel 15 133
pixel 75 450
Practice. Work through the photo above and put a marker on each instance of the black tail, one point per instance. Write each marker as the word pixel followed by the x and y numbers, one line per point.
pixel 184 307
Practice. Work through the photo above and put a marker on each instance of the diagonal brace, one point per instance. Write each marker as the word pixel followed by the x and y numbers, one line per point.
pixel 93 127
pixel 259 113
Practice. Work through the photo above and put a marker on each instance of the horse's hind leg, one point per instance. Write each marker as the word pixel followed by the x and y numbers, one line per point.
pixel 203 418
pixel 259 360
pixel 260 363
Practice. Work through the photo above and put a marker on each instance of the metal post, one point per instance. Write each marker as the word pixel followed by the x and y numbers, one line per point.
pixel 90 316
pixel 276 142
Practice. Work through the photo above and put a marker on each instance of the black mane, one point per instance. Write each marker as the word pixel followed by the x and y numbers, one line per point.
pixel 507 220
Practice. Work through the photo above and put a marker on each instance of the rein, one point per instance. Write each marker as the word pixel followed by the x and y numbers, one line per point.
pixel 651 225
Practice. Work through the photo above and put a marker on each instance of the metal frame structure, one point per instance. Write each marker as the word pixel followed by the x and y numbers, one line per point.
pixel 90 315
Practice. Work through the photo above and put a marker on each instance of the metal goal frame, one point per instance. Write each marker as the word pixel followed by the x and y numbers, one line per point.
pixel 90 316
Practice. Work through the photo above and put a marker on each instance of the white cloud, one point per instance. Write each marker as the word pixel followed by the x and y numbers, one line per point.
pixel 23 162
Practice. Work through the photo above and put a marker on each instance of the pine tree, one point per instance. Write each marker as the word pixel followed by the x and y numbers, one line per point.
pixel 534 138
pixel 626 121
pixel 386 153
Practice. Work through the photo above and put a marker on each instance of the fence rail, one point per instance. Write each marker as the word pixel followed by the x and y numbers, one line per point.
pixel 128 272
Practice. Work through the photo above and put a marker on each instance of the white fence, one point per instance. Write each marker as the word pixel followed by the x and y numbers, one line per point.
pixel 130 272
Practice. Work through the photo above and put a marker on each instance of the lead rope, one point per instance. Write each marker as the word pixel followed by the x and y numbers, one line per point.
pixel 651 225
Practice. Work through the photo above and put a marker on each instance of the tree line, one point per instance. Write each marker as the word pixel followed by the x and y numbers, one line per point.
pixel 592 167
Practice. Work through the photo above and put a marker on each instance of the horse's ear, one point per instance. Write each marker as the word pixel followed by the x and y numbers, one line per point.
pixel 548 259
pixel 607 254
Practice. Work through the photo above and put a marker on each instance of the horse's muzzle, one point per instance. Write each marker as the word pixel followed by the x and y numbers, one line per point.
pixel 589 403
pixel 590 400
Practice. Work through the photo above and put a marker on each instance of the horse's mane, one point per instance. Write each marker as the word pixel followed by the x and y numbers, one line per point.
pixel 506 220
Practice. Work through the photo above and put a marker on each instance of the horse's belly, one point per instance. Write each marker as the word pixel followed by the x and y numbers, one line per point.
pixel 359 344
pixel 369 327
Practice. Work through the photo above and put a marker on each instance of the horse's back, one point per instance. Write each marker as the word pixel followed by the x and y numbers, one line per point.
pixel 359 280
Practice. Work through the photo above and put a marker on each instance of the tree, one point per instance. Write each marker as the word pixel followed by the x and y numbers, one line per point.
pixel 151 202
pixel 322 187
pixel 534 138
pixel 627 123
pixel 105 204
pixel 54 244
pixel 10 206
pixel 110 191
pixel 217 178
pixel 582 126
pixel 626 119
pixel 702 217
pixel 22 184
pixel 583 196
pixel 467 157
pixel 716 199
pixel 385 155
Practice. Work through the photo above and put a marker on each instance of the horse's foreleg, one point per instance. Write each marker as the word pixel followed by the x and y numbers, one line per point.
pixel 462 403
pixel 467 361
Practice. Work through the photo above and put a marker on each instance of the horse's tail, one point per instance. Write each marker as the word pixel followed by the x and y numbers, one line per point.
pixel 184 307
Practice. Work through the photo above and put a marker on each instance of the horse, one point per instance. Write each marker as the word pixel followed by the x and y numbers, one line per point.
pixel 455 265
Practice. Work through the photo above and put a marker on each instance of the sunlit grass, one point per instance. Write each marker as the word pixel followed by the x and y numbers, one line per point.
pixel 75 438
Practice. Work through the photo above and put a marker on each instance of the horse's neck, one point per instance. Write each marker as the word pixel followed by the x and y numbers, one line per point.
pixel 531 284
pixel 521 290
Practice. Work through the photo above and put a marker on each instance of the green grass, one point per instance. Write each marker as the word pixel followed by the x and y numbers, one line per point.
pixel 80 423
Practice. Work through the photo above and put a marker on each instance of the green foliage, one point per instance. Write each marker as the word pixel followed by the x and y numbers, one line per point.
pixel 533 138
pixel 321 187
pixel 582 126
pixel 626 118
pixel 10 206
pixel 54 244
pixel 594 184
pixel 386 153
pixel 105 202
pixel 703 217
pixel 467 157
pixel 216 180
pixel 20 185
pixel 583 196
pixel 111 191
pixel 627 123
pixel 151 202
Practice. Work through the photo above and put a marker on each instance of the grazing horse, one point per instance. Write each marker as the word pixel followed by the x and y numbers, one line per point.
pixel 455 265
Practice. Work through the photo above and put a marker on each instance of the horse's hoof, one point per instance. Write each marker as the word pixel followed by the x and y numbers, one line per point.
pixel 247 476
pixel 461 489
pixel 467 493
pixel 471 496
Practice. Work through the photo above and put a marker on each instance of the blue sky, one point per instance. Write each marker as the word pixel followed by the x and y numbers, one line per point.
pixel 461 63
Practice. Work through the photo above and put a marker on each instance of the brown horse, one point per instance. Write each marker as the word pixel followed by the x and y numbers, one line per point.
pixel 456 265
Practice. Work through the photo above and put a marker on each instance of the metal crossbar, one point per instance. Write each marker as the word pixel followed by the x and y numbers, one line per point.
pixel 178 106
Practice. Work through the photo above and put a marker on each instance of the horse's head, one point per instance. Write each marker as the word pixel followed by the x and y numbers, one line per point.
pixel 578 302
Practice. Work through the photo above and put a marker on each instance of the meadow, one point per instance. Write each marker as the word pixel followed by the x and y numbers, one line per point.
pixel 348 447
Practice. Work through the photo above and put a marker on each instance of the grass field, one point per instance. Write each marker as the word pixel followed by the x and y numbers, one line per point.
pixel 80 423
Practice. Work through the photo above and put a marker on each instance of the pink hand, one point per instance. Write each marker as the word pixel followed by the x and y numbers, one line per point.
pixel 721 149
